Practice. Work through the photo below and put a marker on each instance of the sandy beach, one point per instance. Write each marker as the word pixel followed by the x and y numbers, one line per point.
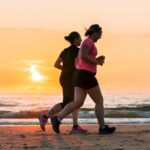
pixel 126 137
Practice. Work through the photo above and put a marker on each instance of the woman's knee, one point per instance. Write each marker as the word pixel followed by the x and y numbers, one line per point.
pixel 100 100
pixel 78 104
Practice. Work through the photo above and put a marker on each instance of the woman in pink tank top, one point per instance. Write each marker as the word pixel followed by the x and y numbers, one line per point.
pixel 83 64
pixel 86 83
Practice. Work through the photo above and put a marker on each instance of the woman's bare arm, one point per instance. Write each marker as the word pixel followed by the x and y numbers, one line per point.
pixel 58 63
pixel 84 55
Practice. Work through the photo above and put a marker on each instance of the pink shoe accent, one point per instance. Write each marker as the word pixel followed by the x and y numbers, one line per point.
pixel 43 122
pixel 78 130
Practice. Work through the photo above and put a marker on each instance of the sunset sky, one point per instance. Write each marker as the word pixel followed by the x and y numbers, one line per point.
pixel 32 36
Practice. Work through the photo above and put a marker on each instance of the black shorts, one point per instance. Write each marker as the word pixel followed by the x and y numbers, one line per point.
pixel 85 79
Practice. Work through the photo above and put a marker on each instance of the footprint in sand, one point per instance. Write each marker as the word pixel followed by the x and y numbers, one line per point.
pixel 22 136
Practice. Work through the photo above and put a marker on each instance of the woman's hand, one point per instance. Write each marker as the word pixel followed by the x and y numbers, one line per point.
pixel 100 60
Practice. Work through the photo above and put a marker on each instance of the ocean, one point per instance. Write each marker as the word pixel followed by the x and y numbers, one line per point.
pixel 23 109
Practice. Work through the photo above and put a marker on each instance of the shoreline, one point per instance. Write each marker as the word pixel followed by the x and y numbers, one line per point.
pixel 126 137
pixel 30 125
pixel 88 121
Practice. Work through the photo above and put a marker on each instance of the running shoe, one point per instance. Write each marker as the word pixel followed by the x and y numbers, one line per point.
pixel 55 124
pixel 107 130
pixel 43 120
pixel 78 130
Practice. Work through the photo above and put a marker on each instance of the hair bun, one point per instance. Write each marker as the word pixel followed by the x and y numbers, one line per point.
pixel 72 36
pixel 67 38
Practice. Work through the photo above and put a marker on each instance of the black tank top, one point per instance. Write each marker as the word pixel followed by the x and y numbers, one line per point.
pixel 68 56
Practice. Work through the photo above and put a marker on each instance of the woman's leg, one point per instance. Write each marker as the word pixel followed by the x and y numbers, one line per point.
pixel 75 116
pixel 68 95
pixel 96 95
pixel 80 95
pixel 55 109
pixel 44 118
pixel 76 128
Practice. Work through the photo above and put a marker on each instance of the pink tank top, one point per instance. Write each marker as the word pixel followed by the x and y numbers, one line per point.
pixel 83 64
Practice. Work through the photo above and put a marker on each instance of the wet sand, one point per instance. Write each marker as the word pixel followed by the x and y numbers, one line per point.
pixel 126 137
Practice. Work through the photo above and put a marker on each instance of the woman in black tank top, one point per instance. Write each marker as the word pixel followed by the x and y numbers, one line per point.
pixel 66 63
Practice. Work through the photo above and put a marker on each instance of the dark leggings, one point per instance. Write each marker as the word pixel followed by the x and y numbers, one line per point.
pixel 68 92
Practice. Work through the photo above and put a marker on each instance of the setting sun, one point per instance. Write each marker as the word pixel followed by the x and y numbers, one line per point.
pixel 32 38
pixel 35 75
